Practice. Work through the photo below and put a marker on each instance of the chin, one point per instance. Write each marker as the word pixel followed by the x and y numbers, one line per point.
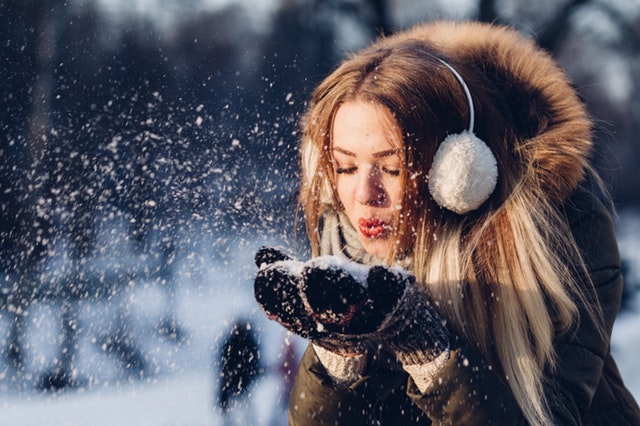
pixel 378 249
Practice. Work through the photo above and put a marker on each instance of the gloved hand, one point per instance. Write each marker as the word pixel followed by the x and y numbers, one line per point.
pixel 342 305
pixel 278 288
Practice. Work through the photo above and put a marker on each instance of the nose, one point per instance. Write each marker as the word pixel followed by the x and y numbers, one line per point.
pixel 370 189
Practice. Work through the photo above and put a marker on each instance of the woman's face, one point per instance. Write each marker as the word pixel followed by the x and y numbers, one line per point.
pixel 367 165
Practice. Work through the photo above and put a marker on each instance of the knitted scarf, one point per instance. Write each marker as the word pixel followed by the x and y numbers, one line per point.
pixel 339 237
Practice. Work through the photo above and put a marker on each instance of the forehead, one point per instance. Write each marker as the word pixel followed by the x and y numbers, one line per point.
pixel 367 125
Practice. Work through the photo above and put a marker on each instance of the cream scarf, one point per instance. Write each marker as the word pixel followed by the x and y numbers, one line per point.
pixel 339 237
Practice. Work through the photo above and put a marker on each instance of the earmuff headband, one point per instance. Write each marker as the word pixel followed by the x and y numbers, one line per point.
pixel 464 172
pixel 467 92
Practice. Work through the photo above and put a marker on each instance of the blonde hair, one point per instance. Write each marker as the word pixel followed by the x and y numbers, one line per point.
pixel 504 276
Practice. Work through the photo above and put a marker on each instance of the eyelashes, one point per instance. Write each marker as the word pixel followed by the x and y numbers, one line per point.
pixel 346 170
pixel 352 170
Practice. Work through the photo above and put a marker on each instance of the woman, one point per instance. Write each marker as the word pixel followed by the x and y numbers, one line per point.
pixel 465 270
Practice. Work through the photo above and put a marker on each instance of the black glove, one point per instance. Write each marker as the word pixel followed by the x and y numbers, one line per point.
pixel 342 305
pixel 278 290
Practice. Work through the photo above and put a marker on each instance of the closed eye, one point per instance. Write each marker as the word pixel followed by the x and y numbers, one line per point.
pixel 353 169
pixel 346 170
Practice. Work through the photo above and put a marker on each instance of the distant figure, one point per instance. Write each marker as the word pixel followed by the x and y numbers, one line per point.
pixel 239 364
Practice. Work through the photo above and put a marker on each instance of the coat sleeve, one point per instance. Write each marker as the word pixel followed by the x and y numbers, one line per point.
pixel 583 350
pixel 469 391
pixel 316 400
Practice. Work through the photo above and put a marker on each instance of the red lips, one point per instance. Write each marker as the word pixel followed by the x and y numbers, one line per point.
pixel 372 227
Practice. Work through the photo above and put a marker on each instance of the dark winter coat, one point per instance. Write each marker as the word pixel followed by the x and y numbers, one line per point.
pixel 585 389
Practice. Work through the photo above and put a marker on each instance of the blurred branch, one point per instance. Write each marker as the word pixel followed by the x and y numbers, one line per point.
pixel 381 16
pixel 45 22
pixel 555 32
pixel 487 11
pixel 630 35
pixel 377 19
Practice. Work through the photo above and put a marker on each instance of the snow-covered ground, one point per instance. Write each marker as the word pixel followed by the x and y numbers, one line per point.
pixel 182 393
pixel 213 289
pixel 180 388
pixel 182 382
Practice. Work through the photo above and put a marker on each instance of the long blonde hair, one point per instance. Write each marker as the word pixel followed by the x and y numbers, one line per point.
pixel 499 275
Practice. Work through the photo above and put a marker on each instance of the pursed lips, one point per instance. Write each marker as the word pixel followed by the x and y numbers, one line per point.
pixel 372 227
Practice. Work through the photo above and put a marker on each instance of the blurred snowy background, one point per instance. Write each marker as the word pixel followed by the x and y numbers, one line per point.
pixel 148 148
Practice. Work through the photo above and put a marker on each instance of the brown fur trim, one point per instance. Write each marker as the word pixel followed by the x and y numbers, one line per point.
pixel 553 130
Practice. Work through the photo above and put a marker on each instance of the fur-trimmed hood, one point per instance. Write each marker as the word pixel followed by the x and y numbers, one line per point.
pixel 552 124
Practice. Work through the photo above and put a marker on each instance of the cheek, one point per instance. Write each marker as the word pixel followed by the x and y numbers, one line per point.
pixel 395 191
pixel 344 189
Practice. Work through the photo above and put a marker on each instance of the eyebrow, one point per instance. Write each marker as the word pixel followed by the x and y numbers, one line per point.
pixel 379 154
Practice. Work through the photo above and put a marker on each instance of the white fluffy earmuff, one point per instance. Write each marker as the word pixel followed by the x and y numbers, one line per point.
pixel 464 171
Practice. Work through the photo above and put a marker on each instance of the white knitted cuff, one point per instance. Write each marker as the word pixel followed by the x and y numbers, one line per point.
pixel 344 370
pixel 423 374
